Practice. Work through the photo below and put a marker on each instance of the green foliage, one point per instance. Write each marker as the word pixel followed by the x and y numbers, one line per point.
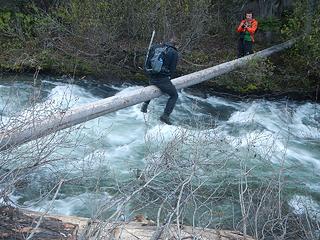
pixel 116 31
pixel 304 59
pixel 111 36
pixel 269 24
pixel 295 21
pixel 25 23
pixel 5 19
pixel 197 57
pixel 17 24
pixel 256 76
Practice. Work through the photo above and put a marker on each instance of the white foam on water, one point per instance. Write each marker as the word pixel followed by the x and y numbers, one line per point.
pixel 314 186
pixel 259 128
pixel 305 205
pixel 121 132
pixel 213 100
pixel 54 82
pixel 93 160
pixel 132 113
pixel 124 90
pixel 304 156
pixel 264 113
pixel 208 142
pixel 248 115
pixel 278 125
pixel 86 202
pixel 60 98
pixel 117 140
pixel 209 110
pixel 13 199
pixel 191 110
pixel 218 101
pixel 162 133
pixel 13 98
pixel 69 95
pixel 123 158
pixel 184 95
pixel 262 142
pixel 306 121
pixel 4 99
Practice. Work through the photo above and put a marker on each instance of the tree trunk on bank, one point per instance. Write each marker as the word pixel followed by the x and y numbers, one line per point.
pixel 269 9
pixel 309 15
pixel 36 129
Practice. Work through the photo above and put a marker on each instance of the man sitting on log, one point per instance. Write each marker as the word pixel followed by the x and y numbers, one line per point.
pixel 160 67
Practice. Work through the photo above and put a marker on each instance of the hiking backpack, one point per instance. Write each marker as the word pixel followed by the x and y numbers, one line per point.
pixel 155 60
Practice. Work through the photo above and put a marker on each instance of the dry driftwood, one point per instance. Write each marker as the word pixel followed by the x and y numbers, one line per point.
pixel 18 224
pixel 146 229
pixel 14 224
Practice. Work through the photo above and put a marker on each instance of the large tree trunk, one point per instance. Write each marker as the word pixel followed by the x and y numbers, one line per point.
pixel 309 15
pixel 269 9
pixel 272 8
pixel 17 135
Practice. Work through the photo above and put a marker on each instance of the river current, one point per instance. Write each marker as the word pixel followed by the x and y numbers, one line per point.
pixel 269 134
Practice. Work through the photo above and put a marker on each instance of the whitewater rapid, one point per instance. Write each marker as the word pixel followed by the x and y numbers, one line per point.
pixel 278 132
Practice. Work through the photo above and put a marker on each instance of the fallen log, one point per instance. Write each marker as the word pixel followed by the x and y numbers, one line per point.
pixel 14 224
pixel 139 228
pixel 38 128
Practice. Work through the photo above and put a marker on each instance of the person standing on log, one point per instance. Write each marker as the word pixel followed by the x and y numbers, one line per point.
pixel 160 66
pixel 246 28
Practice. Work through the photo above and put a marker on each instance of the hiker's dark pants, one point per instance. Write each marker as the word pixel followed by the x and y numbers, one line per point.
pixel 166 86
pixel 244 48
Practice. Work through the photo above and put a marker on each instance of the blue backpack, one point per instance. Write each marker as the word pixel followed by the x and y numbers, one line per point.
pixel 155 60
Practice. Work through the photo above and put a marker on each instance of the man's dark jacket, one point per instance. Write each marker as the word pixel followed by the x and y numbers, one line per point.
pixel 170 61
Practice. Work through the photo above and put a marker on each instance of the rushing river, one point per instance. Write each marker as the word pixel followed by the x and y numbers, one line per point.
pixel 109 148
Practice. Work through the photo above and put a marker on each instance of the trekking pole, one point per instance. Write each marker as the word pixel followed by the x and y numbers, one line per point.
pixel 151 40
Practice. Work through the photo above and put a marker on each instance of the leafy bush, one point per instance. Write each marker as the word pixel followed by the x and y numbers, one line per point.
pixel 304 58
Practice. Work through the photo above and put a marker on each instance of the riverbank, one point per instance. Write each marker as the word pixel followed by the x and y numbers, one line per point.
pixel 235 85
pixel 276 77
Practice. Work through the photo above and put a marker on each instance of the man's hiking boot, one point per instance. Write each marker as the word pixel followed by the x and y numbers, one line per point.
pixel 165 118
pixel 144 108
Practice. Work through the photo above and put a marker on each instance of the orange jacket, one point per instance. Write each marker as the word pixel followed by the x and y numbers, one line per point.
pixel 252 27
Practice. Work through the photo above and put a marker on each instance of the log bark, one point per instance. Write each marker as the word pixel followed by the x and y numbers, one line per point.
pixel 62 120
pixel 15 224
pixel 310 15
pixel 18 224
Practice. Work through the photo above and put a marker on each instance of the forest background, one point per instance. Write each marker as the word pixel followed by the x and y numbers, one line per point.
pixel 108 40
